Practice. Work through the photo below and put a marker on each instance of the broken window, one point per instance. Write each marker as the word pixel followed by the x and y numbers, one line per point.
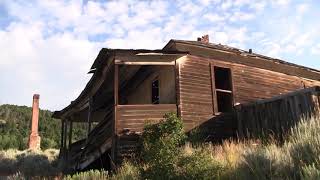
pixel 155 92
pixel 223 89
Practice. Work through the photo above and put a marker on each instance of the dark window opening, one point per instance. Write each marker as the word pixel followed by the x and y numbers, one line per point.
pixel 223 89
pixel 224 101
pixel 222 78
pixel 155 92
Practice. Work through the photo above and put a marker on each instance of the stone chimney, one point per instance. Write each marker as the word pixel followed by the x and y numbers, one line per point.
pixel 34 139
pixel 204 39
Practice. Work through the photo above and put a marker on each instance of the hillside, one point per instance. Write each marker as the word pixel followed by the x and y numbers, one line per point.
pixel 15 126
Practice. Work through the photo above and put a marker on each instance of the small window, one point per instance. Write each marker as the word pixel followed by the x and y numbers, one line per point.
pixel 155 92
pixel 222 78
pixel 223 89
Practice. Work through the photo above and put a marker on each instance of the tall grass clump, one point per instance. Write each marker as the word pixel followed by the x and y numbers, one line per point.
pixel 304 143
pixel 30 163
pixel 297 158
pixel 128 171
pixel 199 163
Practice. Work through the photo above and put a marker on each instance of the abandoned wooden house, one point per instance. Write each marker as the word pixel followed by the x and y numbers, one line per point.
pixel 203 83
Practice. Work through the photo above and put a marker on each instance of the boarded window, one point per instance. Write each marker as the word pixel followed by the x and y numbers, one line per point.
pixel 223 89
pixel 155 92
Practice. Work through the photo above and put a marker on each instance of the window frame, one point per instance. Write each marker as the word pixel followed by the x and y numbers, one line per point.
pixel 215 90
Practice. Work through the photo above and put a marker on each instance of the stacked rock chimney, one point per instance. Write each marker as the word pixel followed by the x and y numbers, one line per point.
pixel 34 139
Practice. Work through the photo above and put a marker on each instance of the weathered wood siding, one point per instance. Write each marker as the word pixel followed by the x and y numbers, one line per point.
pixel 195 91
pixel 249 84
pixel 133 117
pixel 277 115
pixel 130 122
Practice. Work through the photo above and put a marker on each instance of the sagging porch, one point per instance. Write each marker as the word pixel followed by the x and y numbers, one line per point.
pixel 122 97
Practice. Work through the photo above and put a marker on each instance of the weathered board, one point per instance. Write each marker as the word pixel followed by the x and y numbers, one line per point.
pixel 132 118
pixel 195 91
pixel 130 123
pixel 197 98
pixel 277 115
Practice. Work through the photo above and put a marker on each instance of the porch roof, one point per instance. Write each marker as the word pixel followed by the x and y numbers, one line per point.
pixel 103 72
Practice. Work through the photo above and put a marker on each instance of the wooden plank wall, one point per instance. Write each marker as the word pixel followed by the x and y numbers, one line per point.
pixel 277 115
pixel 133 117
pixel 195 91
pixel 130 122
pixel 249 84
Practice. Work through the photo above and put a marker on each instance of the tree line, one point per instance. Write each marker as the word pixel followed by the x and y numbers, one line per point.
pixel 15 127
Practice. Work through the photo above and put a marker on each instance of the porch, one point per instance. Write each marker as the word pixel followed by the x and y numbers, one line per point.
pixel 130 93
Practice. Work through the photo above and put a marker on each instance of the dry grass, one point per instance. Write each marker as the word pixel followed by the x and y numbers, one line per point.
pixel 297 158
pixel 30 163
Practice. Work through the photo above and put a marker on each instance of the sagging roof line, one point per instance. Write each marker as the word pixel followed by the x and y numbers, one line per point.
pixel 229 49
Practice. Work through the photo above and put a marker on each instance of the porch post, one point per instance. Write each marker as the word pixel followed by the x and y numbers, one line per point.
pixel 89 117
pixel 70 134
pixel 65 134
pixel 116 101
pixel 177 87
pixel 62 137
pixel 116 84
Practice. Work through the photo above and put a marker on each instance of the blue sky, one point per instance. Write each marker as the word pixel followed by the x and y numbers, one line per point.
pixel 47 46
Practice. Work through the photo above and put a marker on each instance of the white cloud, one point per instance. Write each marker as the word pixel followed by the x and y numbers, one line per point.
pixel 302 8
pixel 316 49
pixel 214 17
pixel 242 16
pixel 281 2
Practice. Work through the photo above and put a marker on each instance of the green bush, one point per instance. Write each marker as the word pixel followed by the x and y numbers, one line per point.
pixel 199 164
pixel 161 142
pixel 127 171
pixel 89 175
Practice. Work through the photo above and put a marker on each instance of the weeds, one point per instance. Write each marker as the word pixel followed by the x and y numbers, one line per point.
pixel 167 154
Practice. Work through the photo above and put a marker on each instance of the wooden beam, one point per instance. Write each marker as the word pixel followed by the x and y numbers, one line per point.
pixel 213 89
pixel 116 102
pixel 177 87
pixel 116 84
pixel 62 137
pixel 65 134
pixel 89 118
pixel 145 63
pixel 70 134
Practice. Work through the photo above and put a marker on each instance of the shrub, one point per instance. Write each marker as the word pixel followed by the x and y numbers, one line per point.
pixel 30 163
pixel 310 172
pixel 266 162
pixel 199 164
pixel 304 143
pixel 127 171
pixel 88 175
pixel 160 144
